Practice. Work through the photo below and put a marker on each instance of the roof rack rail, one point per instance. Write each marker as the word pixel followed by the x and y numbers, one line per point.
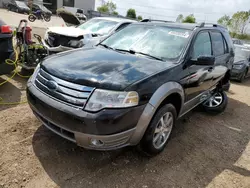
pixel 203 24
pixel 151 20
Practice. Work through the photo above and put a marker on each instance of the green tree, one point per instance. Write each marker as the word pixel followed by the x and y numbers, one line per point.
pixel 239 21
pixel 115 13
pixel 179 18
pixel 189 19
pixel 224 20
pixel 131 13
pixel 139 18
pixel 108 7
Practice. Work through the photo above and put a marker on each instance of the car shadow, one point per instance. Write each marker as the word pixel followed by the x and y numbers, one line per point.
pixel 202 146
pixel 9 93
pixel 245 82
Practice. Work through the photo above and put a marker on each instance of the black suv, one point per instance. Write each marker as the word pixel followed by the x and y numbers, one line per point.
pixel 131 88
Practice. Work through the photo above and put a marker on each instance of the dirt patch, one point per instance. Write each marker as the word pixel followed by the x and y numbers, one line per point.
pixel 204 151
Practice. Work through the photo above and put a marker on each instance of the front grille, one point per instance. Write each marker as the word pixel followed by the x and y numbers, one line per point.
pixel 67 92
pixel 55 39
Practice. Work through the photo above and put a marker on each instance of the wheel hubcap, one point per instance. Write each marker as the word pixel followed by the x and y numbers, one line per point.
pixel 163 130
pixel 214 101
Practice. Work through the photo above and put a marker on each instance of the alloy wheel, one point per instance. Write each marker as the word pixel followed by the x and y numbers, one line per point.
pixel 163 130
pixel 214 101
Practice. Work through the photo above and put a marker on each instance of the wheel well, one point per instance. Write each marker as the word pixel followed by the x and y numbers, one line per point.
pixel 174 99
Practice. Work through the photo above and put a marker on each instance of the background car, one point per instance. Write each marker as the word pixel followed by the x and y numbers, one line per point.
pixel 237 41
pixel 59 39
pixel 18 6
pixel 6 48
pixel 241 65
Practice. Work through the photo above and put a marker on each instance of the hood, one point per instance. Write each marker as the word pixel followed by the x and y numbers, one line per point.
pixel 68 31
pixel 102 68
pixel 68 17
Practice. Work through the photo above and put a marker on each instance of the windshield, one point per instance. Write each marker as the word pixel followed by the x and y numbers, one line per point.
pixel 163 42
pixel 100 26
pixel 241 54
pixel 21 4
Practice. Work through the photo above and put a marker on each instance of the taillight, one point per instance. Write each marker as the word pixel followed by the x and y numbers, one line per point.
pixel 5 29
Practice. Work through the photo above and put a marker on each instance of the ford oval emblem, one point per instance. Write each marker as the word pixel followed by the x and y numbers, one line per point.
pixel 52 85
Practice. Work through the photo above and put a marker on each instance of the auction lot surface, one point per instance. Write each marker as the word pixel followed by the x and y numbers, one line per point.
pixel 205 151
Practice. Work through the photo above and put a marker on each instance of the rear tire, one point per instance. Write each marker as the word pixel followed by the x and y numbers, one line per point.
pixel 159 131
pixel 216 104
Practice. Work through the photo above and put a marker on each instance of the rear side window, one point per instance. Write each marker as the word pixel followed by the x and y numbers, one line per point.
pixel 218 43
pixel 202 45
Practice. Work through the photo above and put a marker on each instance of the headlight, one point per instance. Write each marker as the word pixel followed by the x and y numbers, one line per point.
pixel 238 66
pixel 111 99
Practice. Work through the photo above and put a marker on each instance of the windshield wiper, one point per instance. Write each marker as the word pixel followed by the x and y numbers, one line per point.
pixel 135 52
pixel 106 46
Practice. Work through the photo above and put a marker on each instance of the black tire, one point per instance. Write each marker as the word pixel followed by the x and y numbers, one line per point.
pixel 146 144
pixel 31 18
pixel 243 76
pixel 219 108
pixel 47 18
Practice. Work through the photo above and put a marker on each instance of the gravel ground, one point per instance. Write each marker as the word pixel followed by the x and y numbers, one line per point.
pixel 205 151
pixel 212 151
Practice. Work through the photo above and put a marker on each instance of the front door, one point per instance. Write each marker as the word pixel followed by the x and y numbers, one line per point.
pixel 200 77
pixel 221 54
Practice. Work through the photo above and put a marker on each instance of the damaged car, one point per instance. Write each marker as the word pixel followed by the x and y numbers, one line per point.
pixel 58 39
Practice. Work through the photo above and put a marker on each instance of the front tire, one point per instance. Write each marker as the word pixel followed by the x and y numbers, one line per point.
pixel 159 130
pixel 216 104
pixel 31 18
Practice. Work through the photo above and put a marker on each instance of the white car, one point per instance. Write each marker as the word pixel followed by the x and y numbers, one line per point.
pixel 59 39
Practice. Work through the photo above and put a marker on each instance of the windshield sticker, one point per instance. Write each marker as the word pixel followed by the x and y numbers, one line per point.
pixel 179 34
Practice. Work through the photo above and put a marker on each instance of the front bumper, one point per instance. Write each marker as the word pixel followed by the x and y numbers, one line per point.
pixel 237 73
pixel 55 49
pixel 114 128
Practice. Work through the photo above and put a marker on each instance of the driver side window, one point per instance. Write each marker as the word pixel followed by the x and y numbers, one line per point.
pixel 202 45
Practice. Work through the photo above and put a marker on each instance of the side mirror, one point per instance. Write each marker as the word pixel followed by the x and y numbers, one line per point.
pixel 205 60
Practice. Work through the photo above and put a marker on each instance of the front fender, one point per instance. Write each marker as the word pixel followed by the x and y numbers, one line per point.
pixel 155 101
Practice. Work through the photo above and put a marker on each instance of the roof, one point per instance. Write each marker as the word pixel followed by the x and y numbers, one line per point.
pixel 188 26
pixel 115 19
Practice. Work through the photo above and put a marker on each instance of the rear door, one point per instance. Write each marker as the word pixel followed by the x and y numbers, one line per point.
pixel 220 51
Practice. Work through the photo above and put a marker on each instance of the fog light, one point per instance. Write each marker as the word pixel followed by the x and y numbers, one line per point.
pixel 96 142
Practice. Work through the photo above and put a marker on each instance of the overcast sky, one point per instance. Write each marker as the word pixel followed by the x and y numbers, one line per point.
pixel 204 10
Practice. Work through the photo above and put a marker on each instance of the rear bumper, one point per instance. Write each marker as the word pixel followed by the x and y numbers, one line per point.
pixel 56 49
pixel 114 128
